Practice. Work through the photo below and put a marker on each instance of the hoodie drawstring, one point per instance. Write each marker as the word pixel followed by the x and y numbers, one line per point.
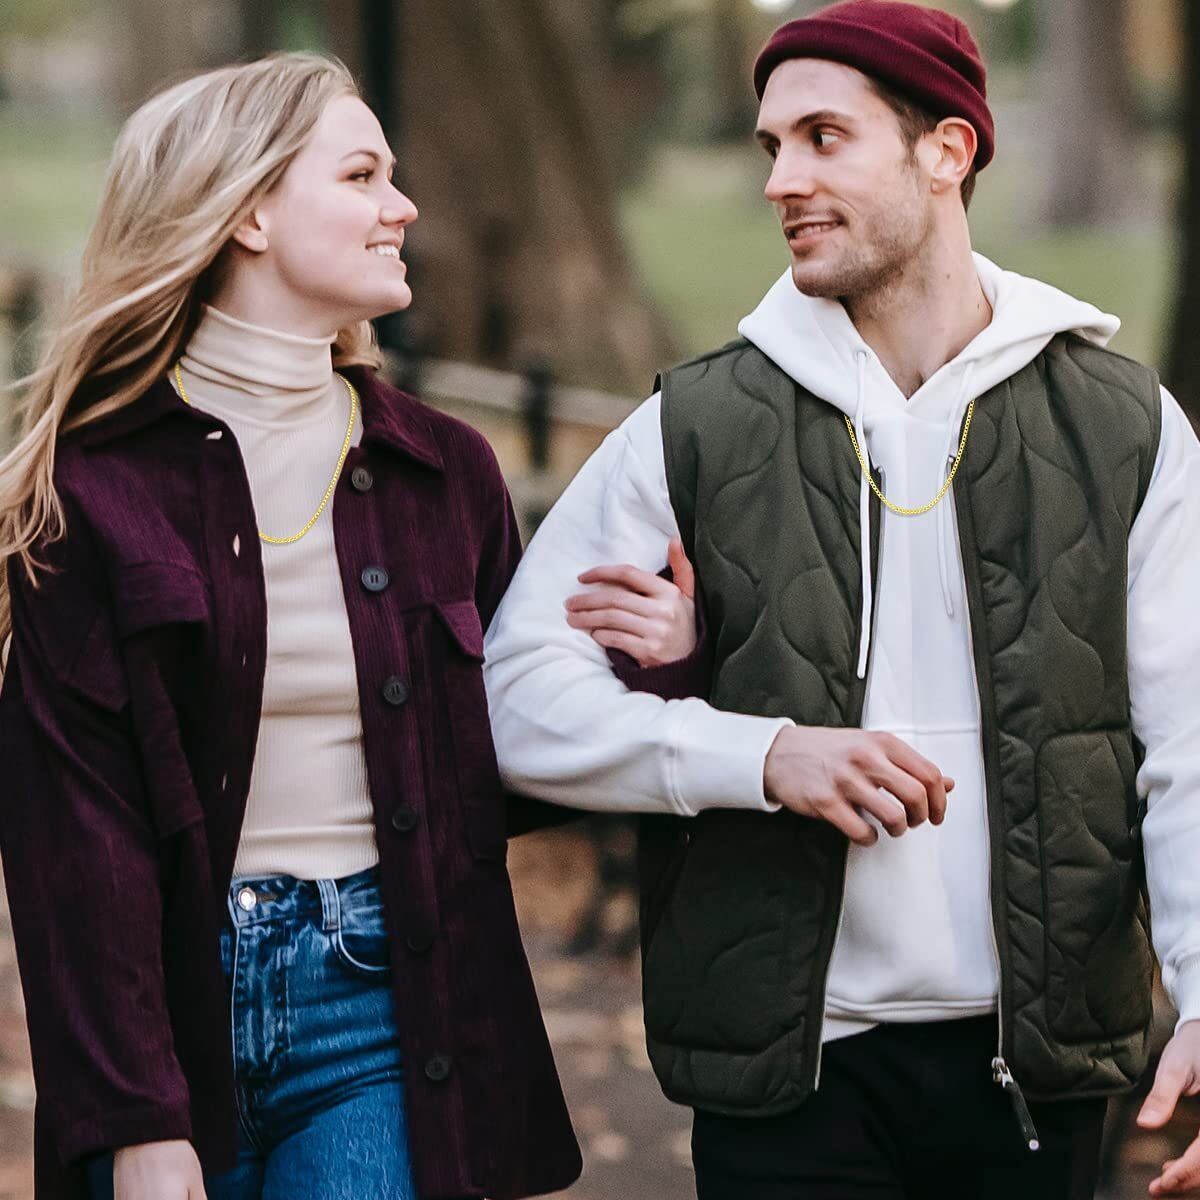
pixel 864 521
pixel 945 532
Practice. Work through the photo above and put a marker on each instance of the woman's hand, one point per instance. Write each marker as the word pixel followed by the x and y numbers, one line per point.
pixel 157 1171
pixel 651 619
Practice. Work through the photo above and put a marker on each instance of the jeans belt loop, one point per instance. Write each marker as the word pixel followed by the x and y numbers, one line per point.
pixel 331 908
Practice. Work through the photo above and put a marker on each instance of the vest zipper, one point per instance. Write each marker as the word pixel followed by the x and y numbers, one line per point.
pixel 1001 1072
pixel 1004 1077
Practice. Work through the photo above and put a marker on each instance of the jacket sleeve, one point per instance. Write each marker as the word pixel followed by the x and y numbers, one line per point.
pixel 566 729
pixel 81 865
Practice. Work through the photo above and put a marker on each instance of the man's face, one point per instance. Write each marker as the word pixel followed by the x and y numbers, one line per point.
pixel 849 193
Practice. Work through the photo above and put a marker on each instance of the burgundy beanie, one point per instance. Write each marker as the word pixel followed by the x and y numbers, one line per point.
pixel 926 54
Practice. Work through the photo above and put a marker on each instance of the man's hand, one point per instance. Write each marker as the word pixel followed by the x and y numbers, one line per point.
pixel 1178 1075
pixel 651 619
pixel 836 775
pixel 157 1171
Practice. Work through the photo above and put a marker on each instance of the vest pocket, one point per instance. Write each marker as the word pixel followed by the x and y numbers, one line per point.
pixel 715 950
pixel 1098 961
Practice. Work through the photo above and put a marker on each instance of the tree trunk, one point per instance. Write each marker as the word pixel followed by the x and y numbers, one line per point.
pixel 517 253
pixel 1184 372
pixel 165 40
pixel 1091 173
pixel 736 107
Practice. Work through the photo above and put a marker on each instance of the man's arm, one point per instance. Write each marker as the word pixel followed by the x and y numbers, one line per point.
pixel 566 728
pixel 1164 656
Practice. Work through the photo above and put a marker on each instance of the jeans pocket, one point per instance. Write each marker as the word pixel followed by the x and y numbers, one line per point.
pixel 361 941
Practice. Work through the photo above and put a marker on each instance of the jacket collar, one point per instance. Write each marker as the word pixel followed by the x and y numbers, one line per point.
pixel 390 417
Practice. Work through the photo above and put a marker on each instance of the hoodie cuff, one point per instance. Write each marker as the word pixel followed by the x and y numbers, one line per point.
pixel 1185 990
pixel 717 759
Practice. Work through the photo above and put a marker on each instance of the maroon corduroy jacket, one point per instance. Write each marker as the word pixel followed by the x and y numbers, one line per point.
pixel 128 720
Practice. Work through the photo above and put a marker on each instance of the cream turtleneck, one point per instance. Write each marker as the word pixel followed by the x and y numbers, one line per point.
pixel 309 810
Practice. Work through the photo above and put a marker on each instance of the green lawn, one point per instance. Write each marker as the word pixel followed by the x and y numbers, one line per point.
pixel 52 168
pixel 708 246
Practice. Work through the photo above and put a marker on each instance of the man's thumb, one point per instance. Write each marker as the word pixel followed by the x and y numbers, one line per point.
pixel 681 569
pixel 1160 1104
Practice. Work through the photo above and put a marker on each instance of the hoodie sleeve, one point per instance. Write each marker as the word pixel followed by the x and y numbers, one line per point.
pixel 566 728
pixel 1164 655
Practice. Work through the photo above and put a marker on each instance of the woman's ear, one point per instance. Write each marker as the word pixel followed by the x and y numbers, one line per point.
pixel 250 233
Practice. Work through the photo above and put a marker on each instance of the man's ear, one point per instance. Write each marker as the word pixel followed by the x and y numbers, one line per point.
pixel 251 234
pixel 955 143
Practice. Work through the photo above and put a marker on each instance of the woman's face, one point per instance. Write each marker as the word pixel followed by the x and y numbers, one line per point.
pixel 326 241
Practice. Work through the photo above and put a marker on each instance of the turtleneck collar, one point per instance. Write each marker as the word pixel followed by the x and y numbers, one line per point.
pixel 257 374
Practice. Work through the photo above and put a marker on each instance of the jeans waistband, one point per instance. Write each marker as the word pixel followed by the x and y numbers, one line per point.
pixel 254 900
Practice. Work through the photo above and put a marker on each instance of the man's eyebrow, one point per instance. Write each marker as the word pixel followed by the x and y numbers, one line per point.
pixel 369 153
pixel 824 116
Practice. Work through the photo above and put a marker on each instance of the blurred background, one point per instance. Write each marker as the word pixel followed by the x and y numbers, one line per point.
pixel 592 211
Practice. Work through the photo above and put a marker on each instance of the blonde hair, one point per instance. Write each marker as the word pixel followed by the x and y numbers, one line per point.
pixel 188 166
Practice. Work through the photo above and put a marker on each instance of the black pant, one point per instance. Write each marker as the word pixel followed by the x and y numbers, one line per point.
pixel 903 1112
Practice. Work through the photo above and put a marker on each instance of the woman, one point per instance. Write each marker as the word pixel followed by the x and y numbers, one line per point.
pixel 253 833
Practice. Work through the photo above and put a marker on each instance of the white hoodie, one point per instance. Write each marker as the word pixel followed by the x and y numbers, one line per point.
pixel 916 940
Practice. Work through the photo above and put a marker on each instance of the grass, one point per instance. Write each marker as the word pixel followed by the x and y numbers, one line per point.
pixel 52 166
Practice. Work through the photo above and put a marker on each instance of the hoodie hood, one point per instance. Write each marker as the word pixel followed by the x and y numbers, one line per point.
pixel 817 344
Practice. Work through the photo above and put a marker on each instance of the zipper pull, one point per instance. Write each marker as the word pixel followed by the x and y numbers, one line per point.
pixel 1004 1077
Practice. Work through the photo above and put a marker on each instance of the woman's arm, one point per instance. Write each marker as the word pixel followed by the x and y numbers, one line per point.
pixel 81 866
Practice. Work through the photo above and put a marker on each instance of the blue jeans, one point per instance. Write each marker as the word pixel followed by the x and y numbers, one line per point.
pixel 319 1076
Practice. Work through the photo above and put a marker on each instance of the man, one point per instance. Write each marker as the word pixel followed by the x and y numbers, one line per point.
pixel 942 540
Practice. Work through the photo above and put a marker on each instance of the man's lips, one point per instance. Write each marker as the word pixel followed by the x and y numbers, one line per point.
pixel 806 229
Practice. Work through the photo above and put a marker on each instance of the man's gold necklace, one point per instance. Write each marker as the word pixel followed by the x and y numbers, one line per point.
pixel 913 512
pixel 337 471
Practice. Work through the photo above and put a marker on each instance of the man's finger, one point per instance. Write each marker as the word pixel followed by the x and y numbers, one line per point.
pixel 682 574
pixel 908 791
pixel 623 575
pixel 921 769
pixel 611 597
pixel 1169 1082
pixel 1180 1175
pixel 842 816
pixel 886 809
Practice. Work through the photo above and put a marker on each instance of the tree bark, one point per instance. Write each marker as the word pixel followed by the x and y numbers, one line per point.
pixel 517 253
pixel 1184 358
pixel 1091 171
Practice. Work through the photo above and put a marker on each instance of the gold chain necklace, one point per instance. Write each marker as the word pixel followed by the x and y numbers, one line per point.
pixel 913 512
pixel 337 471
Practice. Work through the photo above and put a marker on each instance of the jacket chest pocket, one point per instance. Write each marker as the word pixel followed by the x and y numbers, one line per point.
pixel 458 674
pixel 162 619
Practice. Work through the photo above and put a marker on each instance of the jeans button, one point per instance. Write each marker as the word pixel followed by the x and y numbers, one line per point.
pixel 437 1069
pixel 247 899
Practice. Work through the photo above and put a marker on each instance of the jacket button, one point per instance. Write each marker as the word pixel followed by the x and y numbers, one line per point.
pixel 420 941
pixel 404 819
pixel 437 1069
pixel 374 579
pixel 395 690
pixel 361 479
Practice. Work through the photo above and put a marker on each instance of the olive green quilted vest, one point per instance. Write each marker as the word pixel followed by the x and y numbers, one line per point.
pixel 740 909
